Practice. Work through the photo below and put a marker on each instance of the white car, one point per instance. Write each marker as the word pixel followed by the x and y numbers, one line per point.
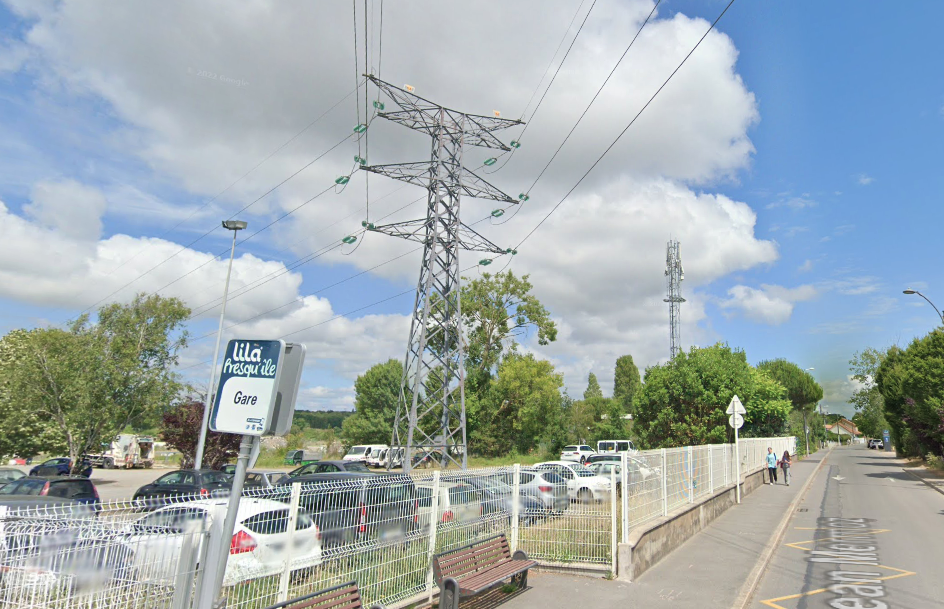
pixel 577 452
pixel 258 548
pixel 582 484
pixel 458 503
pixel 362 452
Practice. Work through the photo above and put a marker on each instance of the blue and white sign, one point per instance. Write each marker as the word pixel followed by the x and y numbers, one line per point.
pixel 249 384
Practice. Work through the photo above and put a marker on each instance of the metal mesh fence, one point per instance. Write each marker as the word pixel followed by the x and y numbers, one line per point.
pixel 382 531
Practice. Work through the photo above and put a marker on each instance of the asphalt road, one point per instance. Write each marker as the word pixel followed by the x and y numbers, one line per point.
pixel 867 534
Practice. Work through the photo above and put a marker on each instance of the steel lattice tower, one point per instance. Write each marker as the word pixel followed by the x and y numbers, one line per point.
pixel 673 289
pixel 431 410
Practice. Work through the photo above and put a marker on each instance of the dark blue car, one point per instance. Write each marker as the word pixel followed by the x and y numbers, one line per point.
pixel 76 489
pixel 60 466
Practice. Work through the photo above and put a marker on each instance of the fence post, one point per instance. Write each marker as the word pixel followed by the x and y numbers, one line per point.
pixel 691 474
pixel 186 570
pixel 290 544
pixel 515 508
pixel 433 527
pixel 613 521
pixel 711 471
pixel 665 494
pixel 624 485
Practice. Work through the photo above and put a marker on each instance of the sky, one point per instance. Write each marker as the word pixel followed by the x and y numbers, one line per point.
pixel 795 156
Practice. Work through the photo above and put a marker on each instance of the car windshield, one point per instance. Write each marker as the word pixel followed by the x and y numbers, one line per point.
pixel 494 485
pixel 570 449
pixel 582 471
pixel 11 474
pixel 357 450
pixel 356 467
pixel 215 477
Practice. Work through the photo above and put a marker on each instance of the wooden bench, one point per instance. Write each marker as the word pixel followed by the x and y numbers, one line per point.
pixel 344 596
pixel 478 567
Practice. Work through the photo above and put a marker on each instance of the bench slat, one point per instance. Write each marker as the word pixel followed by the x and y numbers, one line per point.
pixel 485 579
pixel 473 559
pixel 345 597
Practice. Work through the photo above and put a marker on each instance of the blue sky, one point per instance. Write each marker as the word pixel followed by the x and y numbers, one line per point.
pixel 796 157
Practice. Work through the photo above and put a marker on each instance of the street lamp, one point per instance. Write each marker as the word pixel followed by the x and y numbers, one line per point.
pixel 235 226
pixel 910 291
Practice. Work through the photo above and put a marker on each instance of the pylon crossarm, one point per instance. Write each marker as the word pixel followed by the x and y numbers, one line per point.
pixel 415 230
pixel 419 173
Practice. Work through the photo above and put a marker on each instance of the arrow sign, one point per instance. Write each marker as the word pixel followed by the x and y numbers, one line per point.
pixel 838 478
pixel 735 407
pixel 736 420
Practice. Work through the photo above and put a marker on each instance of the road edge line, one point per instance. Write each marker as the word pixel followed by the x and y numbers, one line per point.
pixel 917 477
pixel 747 592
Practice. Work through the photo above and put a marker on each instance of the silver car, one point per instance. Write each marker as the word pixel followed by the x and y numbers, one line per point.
pixel 544 485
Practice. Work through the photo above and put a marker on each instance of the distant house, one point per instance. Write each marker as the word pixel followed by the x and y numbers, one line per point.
pixel 845 427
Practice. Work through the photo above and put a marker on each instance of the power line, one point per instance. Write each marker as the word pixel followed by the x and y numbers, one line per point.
pixel 625 129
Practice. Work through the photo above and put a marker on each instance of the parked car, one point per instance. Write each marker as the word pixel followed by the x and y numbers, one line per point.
pixel 262 479
pixel 616 446
pixel 582 484
pixel 459 503
pixel 9 474
pixel 545 486
pixel 638 468
pixel 77 489
pixel 375 458
pixel 361 452
pixel 348 506
pixel 498 498
pixel 182 485
pixel 877 443
pixel 300 457
pixel 229 469
pixel 577 452
pixel 328 467
pixel 257 548
pixel 60 466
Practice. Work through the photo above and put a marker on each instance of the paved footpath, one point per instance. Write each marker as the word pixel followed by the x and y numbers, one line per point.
pixel 706 572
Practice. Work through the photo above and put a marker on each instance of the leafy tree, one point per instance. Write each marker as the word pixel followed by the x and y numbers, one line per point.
pixel 497 309
pixel 802 389
pixel 909 381
pixel 180 428
pixel 626 382
pixel 376 394
pixel 683 402
pixel 90 382
pixel 868 400
pixel 523 410
pixel 593 388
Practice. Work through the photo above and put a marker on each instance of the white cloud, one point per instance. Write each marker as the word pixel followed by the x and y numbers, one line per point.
pixel 856 286
pixel 69 208
pixel 801 202
pixel 771 304
pixel 864 180
pixel 806 267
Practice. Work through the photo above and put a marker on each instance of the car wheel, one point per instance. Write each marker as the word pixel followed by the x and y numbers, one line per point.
pixel 584 495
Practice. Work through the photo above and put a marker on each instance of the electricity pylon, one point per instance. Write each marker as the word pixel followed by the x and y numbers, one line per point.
pixel 431 410
pixel 673 287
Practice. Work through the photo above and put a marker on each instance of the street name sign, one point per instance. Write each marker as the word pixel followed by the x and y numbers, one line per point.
pixel 249 384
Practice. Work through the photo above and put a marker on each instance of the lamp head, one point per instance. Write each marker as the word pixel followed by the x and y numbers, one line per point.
pixel 235 225
pixel 909 291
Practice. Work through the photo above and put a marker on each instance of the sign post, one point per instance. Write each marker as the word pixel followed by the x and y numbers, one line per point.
pixel 251 400
pixel 886 440
pixel 736 420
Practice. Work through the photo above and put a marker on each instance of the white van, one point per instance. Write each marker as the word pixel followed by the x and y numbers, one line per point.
pixel 376 456
pixel 615 446
pixel 362 452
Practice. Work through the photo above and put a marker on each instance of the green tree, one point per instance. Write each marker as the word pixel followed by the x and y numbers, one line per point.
pixel 910 383
pixel 497 309
pixel 626 382
pixel 524 408
pixel 802 389
pixel 593 388
pixel 95 379
pixel 868 400
pixel 682 402
pixel 376 394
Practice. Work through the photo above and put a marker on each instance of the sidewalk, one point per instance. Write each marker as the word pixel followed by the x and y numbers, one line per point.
pixel 706 572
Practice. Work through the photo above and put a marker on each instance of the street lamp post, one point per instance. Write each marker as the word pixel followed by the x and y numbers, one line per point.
pixel 235 226
pixel 910 291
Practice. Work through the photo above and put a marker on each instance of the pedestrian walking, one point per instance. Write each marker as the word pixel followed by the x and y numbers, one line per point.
pixel 771 465
pixel 785 462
